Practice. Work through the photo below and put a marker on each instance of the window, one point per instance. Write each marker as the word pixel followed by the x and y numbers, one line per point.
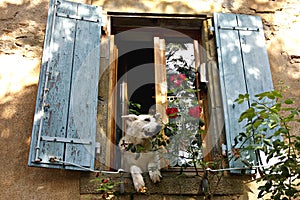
pixel 228 58
pixel 144 73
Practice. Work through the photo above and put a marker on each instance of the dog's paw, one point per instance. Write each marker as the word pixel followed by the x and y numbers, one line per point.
pixel 139 185
pixel 137 179
pixel 155 176
pixel 143 190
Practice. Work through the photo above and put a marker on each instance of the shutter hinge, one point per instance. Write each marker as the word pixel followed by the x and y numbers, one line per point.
pixel 239 28
pixel 95 20
pixel 65 140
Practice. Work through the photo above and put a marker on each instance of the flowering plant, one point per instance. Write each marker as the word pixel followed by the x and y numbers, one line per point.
pixel 172 112
pixel 106 186
pixel 177 79
pixel 195 111
pixel 184 123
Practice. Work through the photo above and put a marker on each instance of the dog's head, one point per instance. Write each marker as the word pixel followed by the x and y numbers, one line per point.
pixel 143 126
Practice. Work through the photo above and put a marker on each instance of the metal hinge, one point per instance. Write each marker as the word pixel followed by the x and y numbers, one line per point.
pixel 95 20
pixel 238 28
pixel 65 140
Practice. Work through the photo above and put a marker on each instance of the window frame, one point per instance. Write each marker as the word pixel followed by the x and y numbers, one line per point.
pixel 199 33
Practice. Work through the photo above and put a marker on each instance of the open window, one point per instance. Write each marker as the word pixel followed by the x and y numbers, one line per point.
pixel 158 61
pixel 157 69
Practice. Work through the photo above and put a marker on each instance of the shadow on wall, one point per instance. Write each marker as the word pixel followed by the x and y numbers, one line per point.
pixel 174 7
pixel 147 6
pixel 17 181
pixel 22 29
pixel 136 5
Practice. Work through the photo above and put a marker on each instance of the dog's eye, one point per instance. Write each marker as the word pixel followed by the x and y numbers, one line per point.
pixel 147 119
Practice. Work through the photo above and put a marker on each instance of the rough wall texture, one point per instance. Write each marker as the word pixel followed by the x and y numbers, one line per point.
pixel 22 26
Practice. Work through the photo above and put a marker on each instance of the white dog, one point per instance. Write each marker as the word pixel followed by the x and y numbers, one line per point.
pixel 136 148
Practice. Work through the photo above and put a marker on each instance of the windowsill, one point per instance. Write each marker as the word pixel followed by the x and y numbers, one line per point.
pixel 172 183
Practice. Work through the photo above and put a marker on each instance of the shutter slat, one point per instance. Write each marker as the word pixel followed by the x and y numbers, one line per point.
pixel 57 97
pixel 66 107
pixel 253 46
pixel 231 79
pixel 244 68
pixel 84 93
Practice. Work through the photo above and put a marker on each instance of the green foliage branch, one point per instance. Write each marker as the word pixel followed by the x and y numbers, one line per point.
pixel 270 131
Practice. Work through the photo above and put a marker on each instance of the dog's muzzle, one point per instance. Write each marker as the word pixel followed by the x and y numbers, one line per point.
pixel 155 132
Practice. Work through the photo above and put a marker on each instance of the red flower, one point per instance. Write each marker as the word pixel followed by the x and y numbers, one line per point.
pixel 172 112
pixel 195 111
pixel 177 79
pixel 105 180
pixel 181 77
pixel 177 83
pixel 173 78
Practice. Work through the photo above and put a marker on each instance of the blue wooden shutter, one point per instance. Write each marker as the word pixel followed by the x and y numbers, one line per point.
pixel 243 67
pixel 64 129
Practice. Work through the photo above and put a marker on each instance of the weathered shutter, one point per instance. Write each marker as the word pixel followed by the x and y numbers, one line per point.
pixel 243 67
pixel 64 129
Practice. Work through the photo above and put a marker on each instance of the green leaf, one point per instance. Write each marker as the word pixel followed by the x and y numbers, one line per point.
pixel 267 142
pixel 242 134
pixel 271 96
pixel 285 171
pixel 261 192
pixel 257 122
pixel 272 125
pixel 260 107
pixel 277 94
pixel 291 192
pixel 265 149
pixel 133 149
pixel 297 145
pixel 248 114
pixel 268 185
pixel 288 101
pixel 254 104
pixel 275 109
pixel 110 186
pixel 201 123
pixel 241 99
pixel 295 112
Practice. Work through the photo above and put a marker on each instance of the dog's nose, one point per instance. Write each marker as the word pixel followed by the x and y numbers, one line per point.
pixel 159 127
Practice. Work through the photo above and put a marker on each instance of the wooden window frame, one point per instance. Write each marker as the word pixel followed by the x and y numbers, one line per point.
pixel 114 26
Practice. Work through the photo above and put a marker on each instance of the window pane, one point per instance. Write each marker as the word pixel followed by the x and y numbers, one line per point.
pixel 183 108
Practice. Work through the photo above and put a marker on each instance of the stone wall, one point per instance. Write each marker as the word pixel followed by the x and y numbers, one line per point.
pixel 22 27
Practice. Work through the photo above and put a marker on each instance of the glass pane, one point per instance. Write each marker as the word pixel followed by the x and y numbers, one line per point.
pixel 183 109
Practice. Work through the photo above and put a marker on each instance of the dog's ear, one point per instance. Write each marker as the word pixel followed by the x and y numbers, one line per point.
pixel 130 118
pixel 157 116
